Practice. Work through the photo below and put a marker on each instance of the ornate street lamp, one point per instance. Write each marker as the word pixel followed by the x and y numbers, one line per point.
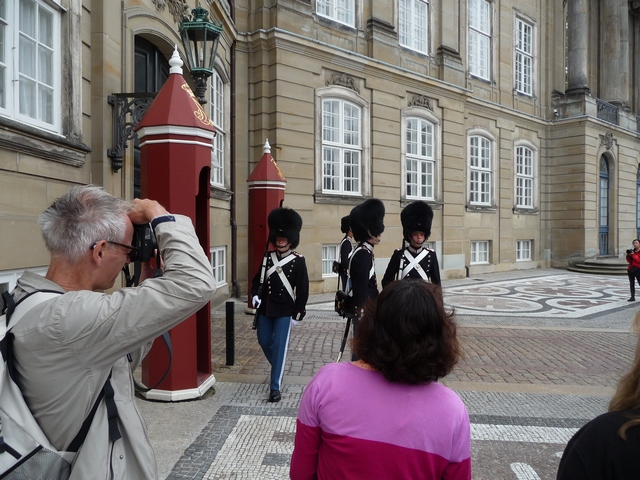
pixel 200 39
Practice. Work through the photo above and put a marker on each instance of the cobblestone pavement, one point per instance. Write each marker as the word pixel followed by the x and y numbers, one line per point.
pixel 529 379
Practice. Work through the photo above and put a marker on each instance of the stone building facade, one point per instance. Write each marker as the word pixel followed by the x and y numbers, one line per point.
pixel 516 121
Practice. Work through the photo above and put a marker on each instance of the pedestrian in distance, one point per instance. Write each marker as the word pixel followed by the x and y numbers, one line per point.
pixel 386 416
pixel 68 347
pixel 346 247
pixel 367 225
pixel 607 447
pixel 633 269
pixel 280 290
pixel 414 260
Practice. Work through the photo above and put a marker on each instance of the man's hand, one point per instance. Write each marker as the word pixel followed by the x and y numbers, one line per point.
pixel 256 301
pixel 298 316
pixel 144 210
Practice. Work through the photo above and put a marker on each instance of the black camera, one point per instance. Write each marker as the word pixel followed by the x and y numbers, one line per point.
pixel 629 252
pixel 144 240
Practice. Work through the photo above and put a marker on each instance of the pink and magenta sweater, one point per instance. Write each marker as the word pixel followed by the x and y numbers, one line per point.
pixel 352 424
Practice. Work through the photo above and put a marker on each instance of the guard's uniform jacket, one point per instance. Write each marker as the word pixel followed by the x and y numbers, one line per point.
pixel 346 247
pixel 409 262
pixel 276 299
pixel 363 276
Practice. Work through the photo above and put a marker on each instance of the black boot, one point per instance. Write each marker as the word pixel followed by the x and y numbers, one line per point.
pixel 275 396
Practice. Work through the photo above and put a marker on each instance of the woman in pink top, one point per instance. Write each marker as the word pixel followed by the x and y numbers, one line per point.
pixel 385 416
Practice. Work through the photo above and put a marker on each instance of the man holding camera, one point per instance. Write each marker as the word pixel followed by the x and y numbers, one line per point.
pixel 71 348
pixel 633 269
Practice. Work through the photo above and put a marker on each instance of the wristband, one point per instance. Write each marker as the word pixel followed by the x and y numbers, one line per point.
pixel 161 219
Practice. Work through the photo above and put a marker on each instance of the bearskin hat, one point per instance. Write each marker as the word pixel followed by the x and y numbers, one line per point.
pixel 345 224
pixel 285 222
pixel 367 219
pixel 416 217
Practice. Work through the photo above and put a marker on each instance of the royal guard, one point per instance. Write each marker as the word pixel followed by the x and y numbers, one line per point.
pixel 346 247
pixel 414 260
pixel 279 292
pixel 367 225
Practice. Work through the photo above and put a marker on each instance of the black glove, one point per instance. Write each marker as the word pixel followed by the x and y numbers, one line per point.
pixel 298 316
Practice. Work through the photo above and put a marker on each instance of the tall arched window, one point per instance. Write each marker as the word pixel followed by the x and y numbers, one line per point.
pixel 603 212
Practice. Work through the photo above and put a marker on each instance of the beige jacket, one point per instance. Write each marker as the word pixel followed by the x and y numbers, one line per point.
pixel 65 348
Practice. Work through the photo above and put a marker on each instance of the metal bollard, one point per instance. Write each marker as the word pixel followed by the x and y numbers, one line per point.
pixel 230 331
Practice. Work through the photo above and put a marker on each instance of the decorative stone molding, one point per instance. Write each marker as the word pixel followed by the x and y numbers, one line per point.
pixel 606 140
pixel 343 80
pixel 420 101
pixel 177 8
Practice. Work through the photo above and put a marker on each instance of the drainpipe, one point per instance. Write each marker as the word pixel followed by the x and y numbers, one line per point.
pixel 232 174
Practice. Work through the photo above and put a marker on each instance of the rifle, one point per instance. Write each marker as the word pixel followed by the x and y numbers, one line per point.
pixel 344 338
pixel 263 269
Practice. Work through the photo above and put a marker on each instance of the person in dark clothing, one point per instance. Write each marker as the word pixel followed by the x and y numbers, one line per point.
pixel 414 260
pixel 607 447
pixel 633 269
pixel 367 226
pixel 346 247
pixel 282 300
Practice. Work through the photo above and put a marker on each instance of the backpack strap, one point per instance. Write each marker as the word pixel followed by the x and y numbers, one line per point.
pixel 112 415
pixel 28 302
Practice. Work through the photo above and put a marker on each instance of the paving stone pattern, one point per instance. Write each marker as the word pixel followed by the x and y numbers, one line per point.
pixel 520 377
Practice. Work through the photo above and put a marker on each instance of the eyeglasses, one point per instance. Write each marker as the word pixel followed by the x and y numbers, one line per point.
pixel 130 249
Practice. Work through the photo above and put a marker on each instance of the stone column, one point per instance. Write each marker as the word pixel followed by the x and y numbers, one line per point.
pixel 615 36
pixel 447 41
pixel 577 18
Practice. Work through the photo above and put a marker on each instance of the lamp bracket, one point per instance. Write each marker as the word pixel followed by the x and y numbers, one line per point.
pixel 126 106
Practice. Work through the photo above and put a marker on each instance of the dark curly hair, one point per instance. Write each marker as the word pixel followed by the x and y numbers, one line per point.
pixel 407 334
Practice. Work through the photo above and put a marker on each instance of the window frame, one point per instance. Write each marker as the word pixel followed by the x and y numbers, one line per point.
pixel 342 94
pixel 479 33
pixel 421 114
pixel 217 115
pixel 522 178
pixel 14 72
pixel 489 171
pixel 334 14
pixel 327 262
pixel 409 39
pixel 214 257
pixel 522 71
pixel 521 250
pixel 475 251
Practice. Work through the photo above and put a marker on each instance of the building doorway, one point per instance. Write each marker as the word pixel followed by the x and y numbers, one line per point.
pixel 603 211
pixel 151 71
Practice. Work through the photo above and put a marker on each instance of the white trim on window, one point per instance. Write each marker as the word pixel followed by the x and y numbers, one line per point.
pixel 480 32
pixel 342 11
pixel 9 278
pixel 330 254
pixel 343 159
pixel 526 173
pixel 217 115
pixel 30 63
pixel 413 24
pixel 218 257
pixel 523 250
pixel 479 252
pixel 420 154
pixel 523 57
pixel 481 168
